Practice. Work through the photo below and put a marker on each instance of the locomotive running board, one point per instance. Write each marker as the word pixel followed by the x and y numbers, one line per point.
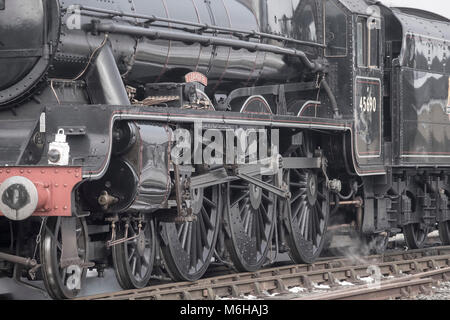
pixel 99 121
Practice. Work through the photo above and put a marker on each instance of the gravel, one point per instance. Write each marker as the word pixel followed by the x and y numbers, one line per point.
pixel 439 293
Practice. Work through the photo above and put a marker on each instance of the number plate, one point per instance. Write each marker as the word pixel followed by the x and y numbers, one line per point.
pixel 368 117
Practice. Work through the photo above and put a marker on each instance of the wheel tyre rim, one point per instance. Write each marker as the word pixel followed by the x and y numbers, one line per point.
pixel 415 235
pixel 50 251
pixel 444 232
pixel 133 265
pixel 187 248
pixel 306 215
pixel 251 219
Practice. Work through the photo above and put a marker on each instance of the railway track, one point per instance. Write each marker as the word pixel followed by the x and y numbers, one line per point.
pixel 398 272
pixel 406 286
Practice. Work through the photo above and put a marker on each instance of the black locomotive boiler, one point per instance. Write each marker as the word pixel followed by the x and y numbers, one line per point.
pixel 96 98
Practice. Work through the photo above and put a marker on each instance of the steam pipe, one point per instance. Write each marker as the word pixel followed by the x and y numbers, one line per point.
pixel 105 84
pixel 332 98
pixel 202 27
pixel 203 40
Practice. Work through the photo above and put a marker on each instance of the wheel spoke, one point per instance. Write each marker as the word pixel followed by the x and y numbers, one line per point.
pixel 267 198
pixel 319 210
pixel 180 230
pixel 138 267
pixel 242 197
pixel 308 225
pixel 317 221
pixel 193 253
pixel 238 187
pixel 203 233
pixel 54 238
pixel 185 235
pixel 297 185
pixel 209 203
pixel 258 229
pixel 264 215
pixel 262 226
pixel 297 196
pixel 189 238
pixel 133 265
pixel 295 211
pixel 206 219
pixel 131 254
pixel 302 219
pixel 246 220
pixel 243 210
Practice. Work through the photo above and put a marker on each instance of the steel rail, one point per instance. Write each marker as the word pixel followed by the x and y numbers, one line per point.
pixel 282 278
pixel 395 288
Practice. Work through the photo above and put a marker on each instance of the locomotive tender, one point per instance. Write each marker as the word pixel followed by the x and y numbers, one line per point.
pixel 94 96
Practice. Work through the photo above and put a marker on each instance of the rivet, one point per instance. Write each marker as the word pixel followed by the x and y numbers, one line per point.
pixel 8 171
pixel 56 207
pixel 69 171
pixel 56 170
pixel 42 171
pixel 65 185
pixel 56 185
pixel 65 208
pixel 21 171
pixel 29 171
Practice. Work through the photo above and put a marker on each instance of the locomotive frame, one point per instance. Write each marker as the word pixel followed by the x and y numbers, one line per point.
pixel 93 157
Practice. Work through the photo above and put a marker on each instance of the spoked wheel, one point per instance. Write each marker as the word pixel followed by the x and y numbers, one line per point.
pixel 251 219
pixel 133 260
pixel 62 283
pixel 415 233
pixel 376 244
pixel 444 232
pixel 188 247
pixel 307 212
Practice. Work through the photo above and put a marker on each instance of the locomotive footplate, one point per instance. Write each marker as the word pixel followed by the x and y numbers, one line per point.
pixel 94 165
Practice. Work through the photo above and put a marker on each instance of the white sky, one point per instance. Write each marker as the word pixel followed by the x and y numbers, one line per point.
pixel 441 7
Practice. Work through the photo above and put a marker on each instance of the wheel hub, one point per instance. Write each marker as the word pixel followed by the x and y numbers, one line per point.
pixel 311 187
pixel 255 196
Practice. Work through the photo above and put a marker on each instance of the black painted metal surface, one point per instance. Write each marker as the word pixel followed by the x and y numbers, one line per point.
pixel 423 91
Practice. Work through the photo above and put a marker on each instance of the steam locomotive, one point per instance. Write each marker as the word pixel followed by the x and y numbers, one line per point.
pixel 102 103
